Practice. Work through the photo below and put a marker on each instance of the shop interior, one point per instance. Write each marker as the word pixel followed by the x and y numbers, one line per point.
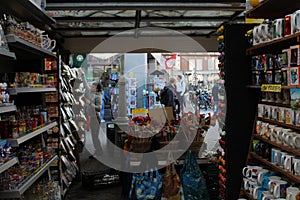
pixel 149 100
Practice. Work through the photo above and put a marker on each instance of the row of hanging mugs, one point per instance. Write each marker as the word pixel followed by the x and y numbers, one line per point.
pixel 278 28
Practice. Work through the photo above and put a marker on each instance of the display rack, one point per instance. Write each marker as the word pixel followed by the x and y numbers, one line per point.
pixel 28 49
pixel 15 91
pixel 28 11
pixel 27 57
pixel 28 136
pixel 8 164
pixel 7 55
pixel 28 182
pixel 273 9
pixel 279 169
pixel 5 109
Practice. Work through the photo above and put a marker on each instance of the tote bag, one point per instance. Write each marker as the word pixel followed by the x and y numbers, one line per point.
pixel 146 186
pixel 172 187
pixel 193 182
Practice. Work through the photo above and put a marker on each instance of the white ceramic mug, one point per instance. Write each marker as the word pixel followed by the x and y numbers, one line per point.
pixel 289 116
pixel 291 193
pixel 296 166
pixel 255 192
pixel 280 189
pixel 296 140
pixel 288 163
pixel 278 133
pixel 279 28
pixel 272 133
pixel 286 136
pixel 275 156
pixel 256 37
pixel 282 158
pixel 260 175
pixel 48 43
pixel 296 21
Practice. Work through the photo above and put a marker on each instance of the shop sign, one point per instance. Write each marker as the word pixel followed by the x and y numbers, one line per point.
pixel 271 88
pixel 139 111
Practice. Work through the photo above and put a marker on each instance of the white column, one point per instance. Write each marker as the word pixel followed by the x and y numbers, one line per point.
pixel 122 119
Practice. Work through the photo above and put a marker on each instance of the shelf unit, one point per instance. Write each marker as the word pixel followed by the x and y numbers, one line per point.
pixel 28 49
pixel 273 9
pixel 28 11
pixel 15 91
pixel 279 123
pixel 28 136
pixel 285 148
pixel 27 54
pixel 5 109
pixel 279 169
pixel 28 182
pixel 8 164
pixel 7 55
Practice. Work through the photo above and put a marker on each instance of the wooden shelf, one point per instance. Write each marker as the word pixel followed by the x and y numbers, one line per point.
pixel 8 164
pixel 273 9
pixel 279 123
pixel 27 10
pixel 26 50
pixel 7 55
pixel 271 103
pixel 279 169
pixel 274 46
pixel 285 148
pixel 17 193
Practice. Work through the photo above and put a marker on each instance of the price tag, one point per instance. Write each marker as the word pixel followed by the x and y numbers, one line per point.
pixel 271 88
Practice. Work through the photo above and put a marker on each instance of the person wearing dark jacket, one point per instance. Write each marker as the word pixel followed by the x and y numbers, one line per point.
pixel 171 95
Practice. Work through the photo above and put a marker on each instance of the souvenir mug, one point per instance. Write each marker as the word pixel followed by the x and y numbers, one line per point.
pixel 48 43
pixel 287 25
pixel 261 174
pixel 296 166
pixel 296 21
pixel 275 156
pixel 278 28
pixel 251 172
pixel 282 158
pixel 266 195
pixel 265 31
pixel 256 37
pixel 255 191
pixel 296 140
pixel 280 189
pixel 267 178
pixel 291 193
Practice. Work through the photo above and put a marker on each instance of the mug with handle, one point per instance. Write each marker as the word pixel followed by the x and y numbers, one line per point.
pixel 296 166
pixel 296 21
pixel 296 141
pixel 48 43
pixel 280 189
pixel 291 193
pixel 278 31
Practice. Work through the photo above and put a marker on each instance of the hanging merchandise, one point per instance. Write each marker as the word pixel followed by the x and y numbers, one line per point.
pixel 172 187
pixel 145 186
pixel 194 185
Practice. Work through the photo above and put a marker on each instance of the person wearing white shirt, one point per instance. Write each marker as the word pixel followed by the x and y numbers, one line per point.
pixel 180 90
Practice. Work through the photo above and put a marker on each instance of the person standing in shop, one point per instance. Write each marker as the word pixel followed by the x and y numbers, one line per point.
pixel 93 101
pixel 180 90
pixel 170 91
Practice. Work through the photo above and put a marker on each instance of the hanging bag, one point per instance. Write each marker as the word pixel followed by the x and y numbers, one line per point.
pixel 193 182
pixel 172 187
pixel 145 186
